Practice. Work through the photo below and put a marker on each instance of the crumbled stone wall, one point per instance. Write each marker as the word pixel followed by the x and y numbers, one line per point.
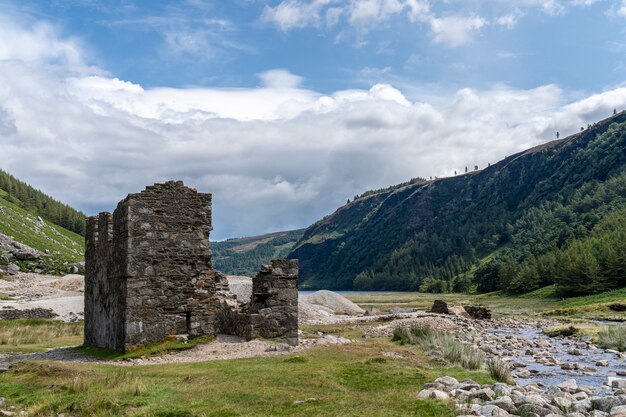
pixel 273 310
pixel 149 274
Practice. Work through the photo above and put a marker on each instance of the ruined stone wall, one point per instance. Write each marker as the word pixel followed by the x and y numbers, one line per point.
pixel 170 284
pixel 273 310
pixel 104 293
pixel 148 269
pixel 148 275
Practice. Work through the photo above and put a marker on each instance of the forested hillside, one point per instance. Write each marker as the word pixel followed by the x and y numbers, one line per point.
pixel 552 214
pixel 244 256
pixel 36 202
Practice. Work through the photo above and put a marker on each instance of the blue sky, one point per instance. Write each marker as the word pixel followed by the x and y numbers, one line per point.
pixel 579 45
pixel 284 109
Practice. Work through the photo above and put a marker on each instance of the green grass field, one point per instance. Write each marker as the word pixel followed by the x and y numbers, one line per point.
pixel 372 377
pixel 349 380
pixel 540 302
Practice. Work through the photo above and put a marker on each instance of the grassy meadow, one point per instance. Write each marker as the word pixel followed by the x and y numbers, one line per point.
pixel 372 377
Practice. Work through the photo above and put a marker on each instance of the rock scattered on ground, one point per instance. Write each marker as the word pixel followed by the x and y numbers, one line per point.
pixel 502 400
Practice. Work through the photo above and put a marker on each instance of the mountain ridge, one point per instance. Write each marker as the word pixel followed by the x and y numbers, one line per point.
pixel 436 211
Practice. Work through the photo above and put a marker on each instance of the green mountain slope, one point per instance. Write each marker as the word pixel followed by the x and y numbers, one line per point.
pixel 36 202
pixel 244 256
pixel 481 228
pixel 30 241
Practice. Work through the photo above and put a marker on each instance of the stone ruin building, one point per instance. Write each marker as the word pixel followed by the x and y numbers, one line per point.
pixel 148 275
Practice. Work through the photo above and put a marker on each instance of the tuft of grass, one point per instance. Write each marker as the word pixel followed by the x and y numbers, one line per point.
pixel 432 340
pixel 500 371
pixel 613 337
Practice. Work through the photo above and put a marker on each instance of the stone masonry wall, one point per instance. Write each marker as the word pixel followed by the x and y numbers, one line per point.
pixel 170 283
pixel 273 310
pixel 104 293
pixel 148 274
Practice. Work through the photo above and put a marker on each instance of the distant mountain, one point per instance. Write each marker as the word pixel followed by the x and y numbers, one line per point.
pixel 27 239
pixel 244 256
pixel 524 222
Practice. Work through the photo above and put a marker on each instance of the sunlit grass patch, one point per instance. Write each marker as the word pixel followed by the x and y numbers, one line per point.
pixel 37 335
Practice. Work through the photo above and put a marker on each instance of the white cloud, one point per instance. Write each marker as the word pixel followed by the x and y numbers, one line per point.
pixel 509 21
pixel 274 157
pixel 455 30
pixel 447 26
pixel 553 7
pixel 42 43
pixel 621 11
pixel 363 14
pixel 280 78
pixel 293 14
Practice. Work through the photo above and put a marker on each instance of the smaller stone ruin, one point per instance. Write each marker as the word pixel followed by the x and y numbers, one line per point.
pixel 148 275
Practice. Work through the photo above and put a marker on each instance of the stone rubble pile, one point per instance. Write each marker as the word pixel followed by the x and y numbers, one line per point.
pixel 502 400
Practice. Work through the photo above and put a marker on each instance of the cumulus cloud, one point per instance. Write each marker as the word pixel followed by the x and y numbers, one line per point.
pixel 275 157
pixel 42 43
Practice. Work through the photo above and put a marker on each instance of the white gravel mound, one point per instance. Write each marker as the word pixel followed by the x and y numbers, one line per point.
pixel 241 286
pixel 336 303
pixel 308 311
pixel 72 282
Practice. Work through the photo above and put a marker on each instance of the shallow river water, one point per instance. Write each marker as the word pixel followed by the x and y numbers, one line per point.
pixel 559 347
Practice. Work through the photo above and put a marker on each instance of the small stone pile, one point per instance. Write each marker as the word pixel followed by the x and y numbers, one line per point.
pixel 502 400
pixel 10 313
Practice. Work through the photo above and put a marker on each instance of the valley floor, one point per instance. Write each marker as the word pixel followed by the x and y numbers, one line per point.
pixel 347 366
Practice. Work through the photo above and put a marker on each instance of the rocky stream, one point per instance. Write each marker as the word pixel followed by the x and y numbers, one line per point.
pixel 554 376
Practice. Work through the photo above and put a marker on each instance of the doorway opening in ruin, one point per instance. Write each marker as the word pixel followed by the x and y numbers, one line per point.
pixel 188 321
